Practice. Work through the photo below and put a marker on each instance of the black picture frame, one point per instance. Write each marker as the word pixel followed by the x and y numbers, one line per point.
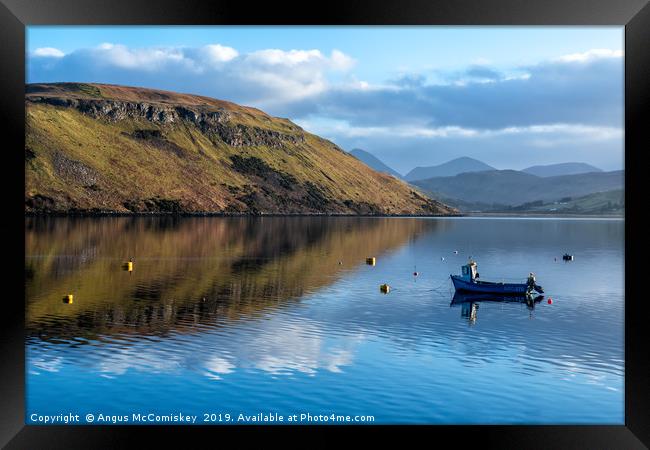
pixel 15 15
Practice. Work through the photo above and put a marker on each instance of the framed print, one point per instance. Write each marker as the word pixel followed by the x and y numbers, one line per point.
pixel 373 218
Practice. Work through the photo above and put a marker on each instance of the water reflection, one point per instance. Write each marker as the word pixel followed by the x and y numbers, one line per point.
pixel 187 272
pixel 286 314
pixel 469 303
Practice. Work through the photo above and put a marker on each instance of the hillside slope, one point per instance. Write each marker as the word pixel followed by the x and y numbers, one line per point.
pixel 511 187
pixel 598 203
pixel 448 169
pixel 96 147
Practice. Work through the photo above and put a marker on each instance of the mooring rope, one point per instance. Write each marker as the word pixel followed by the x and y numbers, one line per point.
pixel 438 288
pixel 441 285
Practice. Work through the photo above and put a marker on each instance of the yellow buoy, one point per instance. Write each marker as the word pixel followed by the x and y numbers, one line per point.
pixel 371 261
pixel 128 266
pixel 384 288
pixel 68 299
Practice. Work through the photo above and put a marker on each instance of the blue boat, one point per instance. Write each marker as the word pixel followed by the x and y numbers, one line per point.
pixel 469 281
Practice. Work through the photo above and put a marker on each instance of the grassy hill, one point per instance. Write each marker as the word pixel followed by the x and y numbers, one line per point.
pixel 608 202
pixel 97 147
pixel 501 188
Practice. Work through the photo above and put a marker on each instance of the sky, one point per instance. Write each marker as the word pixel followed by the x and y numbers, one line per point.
pixel 413 96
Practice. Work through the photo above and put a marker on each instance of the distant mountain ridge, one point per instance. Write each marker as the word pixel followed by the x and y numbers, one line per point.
pixel 448 169
pixel 552 170
pixel 511 187
pixel 373 162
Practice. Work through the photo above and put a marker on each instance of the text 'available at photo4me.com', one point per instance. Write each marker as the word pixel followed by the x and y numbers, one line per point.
pixel 179 418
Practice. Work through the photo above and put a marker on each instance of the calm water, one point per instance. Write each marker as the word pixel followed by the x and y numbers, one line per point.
pixel 282 315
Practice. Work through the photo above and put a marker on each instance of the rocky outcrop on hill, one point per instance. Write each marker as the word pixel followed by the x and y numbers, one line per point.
pixel 213 123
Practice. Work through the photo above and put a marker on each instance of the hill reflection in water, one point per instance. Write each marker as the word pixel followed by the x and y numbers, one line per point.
pixel 188 271
pixel 283 314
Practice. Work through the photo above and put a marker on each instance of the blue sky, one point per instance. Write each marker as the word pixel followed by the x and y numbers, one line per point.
pixel 413 96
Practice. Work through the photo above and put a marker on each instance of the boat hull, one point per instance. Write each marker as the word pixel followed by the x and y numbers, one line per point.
pixel 487 287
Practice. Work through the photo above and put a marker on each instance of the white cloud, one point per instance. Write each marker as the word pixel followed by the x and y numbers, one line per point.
pixel 341 61
pixel 265 77
pixel 589 55
pixel 275 57
pixel 140 59
pixel 553 133
pixel 271 57
pixel 288 76
pixel 48 52
pixel 217 53
pixel 585 131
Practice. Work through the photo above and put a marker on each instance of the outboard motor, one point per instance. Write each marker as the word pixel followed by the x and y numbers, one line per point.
pixel 532 285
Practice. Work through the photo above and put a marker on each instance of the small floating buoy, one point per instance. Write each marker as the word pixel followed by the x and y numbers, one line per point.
pixel 128 266
pixel 550 301
pixel 415 274
pixel 455 252
pixel 68 299
pixel 371 261
pixel 384 288
pixel 442 258
pixel 340 263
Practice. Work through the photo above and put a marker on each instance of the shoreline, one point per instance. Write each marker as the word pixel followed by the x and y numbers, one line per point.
pixel 215 214
pixel 546 215
pixel 221 214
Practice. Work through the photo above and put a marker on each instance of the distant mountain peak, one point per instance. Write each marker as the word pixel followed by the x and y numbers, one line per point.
pixel 373 162
pixel 465 158
pixel 448 169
